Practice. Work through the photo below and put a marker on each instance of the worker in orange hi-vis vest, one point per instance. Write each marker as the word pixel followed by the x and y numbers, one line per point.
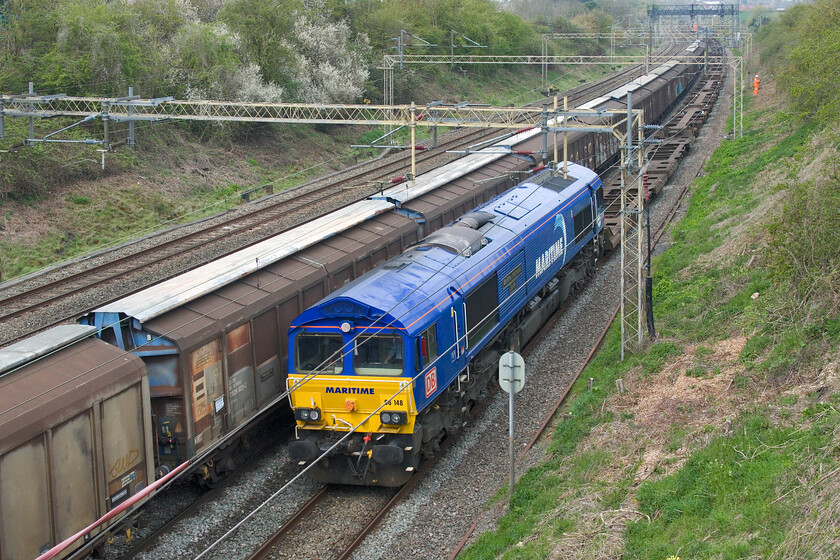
pixel 755 85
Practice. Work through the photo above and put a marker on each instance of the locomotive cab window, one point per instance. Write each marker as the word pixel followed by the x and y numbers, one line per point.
pixel 381 354
pixel 582 221
pixel 426 352
pixel 318 352
pixel 482 309
pixel 599 197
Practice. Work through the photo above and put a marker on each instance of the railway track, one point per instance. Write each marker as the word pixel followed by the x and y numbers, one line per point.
pixel 329 498
pixel 38 302
pixel 325 504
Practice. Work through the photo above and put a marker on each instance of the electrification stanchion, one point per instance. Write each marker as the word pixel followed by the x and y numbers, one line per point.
pixel 631 235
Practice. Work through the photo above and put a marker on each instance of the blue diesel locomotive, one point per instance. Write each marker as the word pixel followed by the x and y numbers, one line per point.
pixel 385 368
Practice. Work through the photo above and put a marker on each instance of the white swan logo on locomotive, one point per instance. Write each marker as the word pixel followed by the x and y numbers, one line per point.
pixel 556 251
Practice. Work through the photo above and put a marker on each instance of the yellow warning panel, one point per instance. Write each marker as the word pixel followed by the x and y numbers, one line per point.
pixel 354 401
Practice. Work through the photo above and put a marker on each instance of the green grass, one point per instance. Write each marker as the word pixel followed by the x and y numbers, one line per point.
pixel 537 492
pixel 118 215
pixel 718 199
pixel 722 503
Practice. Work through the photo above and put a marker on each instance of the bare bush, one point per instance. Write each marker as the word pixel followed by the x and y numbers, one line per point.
pixel 250 86
pixel 329 65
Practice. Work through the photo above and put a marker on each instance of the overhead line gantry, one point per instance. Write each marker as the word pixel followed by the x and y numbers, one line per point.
pixel 735 63
pixel 134 109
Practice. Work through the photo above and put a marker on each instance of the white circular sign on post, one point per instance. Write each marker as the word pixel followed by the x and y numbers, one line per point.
pixel 511 370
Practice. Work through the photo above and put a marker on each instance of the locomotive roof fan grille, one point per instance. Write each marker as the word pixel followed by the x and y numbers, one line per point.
pixel 462 237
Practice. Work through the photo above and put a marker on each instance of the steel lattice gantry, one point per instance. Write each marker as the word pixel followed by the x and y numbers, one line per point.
pixel 544 60
pixel 732 11
pixel 132 109
pixel 122 109
pixel 34 106
pixel 692 10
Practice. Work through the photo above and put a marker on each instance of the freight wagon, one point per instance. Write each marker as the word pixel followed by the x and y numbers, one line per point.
pixel 75 437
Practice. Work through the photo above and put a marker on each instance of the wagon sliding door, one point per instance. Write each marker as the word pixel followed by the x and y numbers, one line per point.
pixel 270 376
pixel 207 393
pixel 73 470
pixel 26 530
pixel 123 445
pixel 241 371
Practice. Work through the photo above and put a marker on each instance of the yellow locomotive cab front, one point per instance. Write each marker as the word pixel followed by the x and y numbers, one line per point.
pixel 355 430
pixel 345 403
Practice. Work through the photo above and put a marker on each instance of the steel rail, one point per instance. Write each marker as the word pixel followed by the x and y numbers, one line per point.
pixel 280 535
pixel 403 492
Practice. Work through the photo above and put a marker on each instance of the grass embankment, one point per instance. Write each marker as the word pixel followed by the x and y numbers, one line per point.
pixel 56 202
pixel 70 206
pixel 725 445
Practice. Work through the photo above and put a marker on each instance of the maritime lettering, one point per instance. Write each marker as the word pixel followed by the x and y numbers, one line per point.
pixel 350 390
pixel 550 256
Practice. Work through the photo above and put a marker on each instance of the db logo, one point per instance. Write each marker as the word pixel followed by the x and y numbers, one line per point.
pixel 431 381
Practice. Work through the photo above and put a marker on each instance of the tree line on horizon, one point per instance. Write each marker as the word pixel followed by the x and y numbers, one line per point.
pixel 319 51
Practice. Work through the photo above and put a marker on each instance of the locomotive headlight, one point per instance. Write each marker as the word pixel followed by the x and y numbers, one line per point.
pixel 308 414
pixel 393 417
